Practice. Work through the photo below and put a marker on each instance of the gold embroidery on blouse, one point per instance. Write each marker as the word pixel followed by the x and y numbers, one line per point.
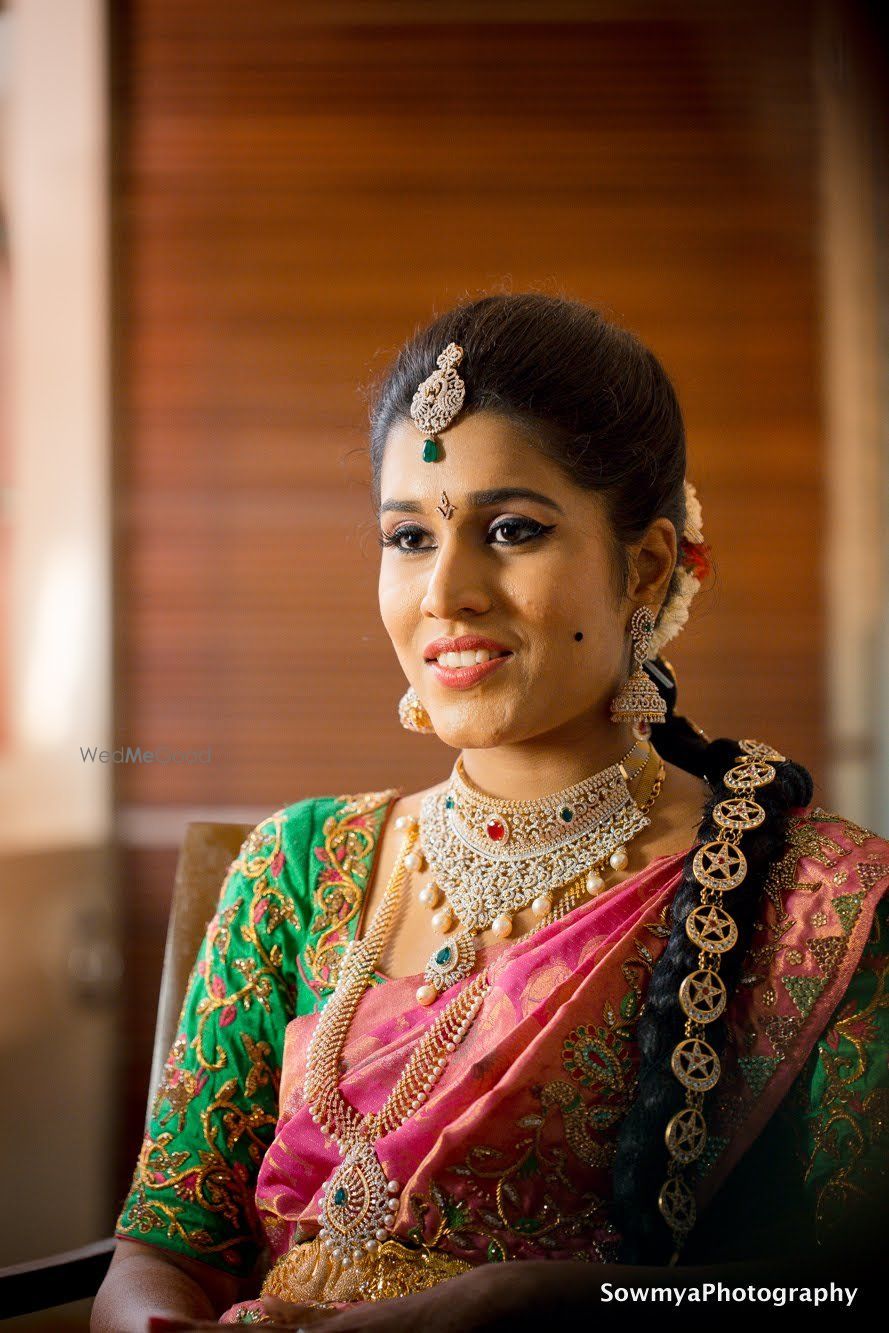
pixel 350 839
pixel 843 1105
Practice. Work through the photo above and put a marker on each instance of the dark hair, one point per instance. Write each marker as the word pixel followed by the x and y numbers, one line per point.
pixel 583 391
pixel 597 402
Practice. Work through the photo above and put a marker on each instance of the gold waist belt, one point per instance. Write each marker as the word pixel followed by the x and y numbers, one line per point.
pixel 310 1274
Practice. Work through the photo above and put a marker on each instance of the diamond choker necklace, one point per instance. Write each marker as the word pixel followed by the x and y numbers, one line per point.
pixel 491 858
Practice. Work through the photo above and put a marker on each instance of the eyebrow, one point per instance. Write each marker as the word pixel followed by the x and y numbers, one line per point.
pixel 479 499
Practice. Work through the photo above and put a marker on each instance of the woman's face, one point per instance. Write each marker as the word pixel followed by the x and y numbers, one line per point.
pixel 527 571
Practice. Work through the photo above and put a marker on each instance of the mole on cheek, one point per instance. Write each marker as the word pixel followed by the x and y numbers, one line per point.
pixel 579 635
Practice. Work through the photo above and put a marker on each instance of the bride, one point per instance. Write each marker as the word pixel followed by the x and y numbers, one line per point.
pixel 607 994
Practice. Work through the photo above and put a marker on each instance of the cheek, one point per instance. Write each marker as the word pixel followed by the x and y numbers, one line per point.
pixel 398 606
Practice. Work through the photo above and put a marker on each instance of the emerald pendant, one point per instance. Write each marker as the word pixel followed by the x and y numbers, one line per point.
pixel 452 962
pixel 431 451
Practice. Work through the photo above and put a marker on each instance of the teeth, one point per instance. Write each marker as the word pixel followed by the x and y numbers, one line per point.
pixel 469 658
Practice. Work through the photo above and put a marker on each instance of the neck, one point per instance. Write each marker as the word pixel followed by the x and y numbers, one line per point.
pixel 530 769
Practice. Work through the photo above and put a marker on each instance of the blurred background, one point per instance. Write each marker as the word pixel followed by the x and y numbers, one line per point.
pixel 220 221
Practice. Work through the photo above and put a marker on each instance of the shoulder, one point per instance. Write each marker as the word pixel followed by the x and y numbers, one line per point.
pixel 820 841
pixel 825 898
pixel 282 844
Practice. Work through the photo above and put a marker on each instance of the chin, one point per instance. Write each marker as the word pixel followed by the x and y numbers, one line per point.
pixel 474 732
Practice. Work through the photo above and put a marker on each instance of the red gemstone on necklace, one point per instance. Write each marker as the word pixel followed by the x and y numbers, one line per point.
pixel 495 829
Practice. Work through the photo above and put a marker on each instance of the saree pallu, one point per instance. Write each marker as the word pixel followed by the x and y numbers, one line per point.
pixel 510 1156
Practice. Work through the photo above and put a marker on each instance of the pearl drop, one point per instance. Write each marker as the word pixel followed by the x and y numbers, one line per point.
pixel 345 1261
pixel 618 860
pixel 426 994
pixel 541 905
pixel 371 1245
pixel 392 1205
pixel 413 861
pixel 429 895
pixel 394 1187
pixel 381 1233
pixel 442 920
pixel 449 1046
pixel 501 926
pixel 401 821
pixel 594 882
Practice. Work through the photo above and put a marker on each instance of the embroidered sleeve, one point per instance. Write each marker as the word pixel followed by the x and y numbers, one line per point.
pixel 847 1094
pixel 215 1111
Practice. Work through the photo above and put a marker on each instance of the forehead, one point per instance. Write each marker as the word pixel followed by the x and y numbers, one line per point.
pixel 479 452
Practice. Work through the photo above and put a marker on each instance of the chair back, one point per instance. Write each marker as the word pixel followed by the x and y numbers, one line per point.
pixel 207 851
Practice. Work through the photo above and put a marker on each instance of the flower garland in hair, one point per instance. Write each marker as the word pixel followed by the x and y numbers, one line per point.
pixel 692 567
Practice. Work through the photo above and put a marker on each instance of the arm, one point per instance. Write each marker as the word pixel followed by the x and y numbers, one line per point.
pixel 144 1280
pixel 845 1086
pixel 189 1238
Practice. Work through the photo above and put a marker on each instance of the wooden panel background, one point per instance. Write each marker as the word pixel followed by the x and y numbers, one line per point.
pixel 295 186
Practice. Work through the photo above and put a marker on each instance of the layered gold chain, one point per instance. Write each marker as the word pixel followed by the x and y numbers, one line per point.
pixel 359 1202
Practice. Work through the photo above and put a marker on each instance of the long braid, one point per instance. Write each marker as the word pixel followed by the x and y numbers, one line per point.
pixel 641 1159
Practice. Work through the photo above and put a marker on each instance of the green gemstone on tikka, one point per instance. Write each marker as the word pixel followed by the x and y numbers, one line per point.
pixel 340 1196
pixel 430 451
pixel 566 814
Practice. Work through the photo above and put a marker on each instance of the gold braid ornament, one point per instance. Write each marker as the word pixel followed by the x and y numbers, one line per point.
pixel 719 866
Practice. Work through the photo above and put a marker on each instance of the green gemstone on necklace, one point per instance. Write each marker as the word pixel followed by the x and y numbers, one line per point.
pixel 430 451
pixel 443 956
pixel 566 814
pixel 449 802
pixel 340 1196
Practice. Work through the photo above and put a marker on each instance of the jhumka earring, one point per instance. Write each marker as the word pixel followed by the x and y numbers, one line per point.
pixel 638 701
pixel 412 715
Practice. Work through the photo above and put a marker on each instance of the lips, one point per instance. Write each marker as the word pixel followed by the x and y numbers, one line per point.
pixel 465 643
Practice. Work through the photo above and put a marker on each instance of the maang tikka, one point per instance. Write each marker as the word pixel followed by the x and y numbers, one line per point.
pixel 438 400
pixel 639 700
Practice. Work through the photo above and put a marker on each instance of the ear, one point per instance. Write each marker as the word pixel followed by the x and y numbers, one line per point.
pixel 652 561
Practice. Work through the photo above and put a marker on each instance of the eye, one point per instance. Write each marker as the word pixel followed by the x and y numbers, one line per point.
pixel 395 539
pixel 528 525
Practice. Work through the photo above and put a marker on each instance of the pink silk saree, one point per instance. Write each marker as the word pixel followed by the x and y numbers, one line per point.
pixel 510 1158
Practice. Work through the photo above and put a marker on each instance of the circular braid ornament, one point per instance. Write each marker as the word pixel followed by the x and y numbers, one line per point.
pixel 719 867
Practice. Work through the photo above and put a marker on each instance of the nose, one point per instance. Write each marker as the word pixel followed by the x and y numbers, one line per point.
pixel 456 584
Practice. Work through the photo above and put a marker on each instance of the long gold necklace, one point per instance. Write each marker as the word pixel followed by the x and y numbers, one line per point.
pixel 359 1203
